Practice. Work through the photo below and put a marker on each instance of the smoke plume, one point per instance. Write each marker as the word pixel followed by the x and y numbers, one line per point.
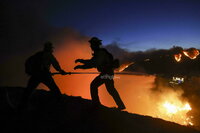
pixel 164 65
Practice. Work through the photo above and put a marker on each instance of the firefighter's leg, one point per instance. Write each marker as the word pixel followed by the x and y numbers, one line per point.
pixel 32 84
pixel 50 83
pixel 94 90
pixel 113 92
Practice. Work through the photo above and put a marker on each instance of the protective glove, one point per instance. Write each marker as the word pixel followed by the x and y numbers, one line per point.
pixel 64 73
pixel 77 67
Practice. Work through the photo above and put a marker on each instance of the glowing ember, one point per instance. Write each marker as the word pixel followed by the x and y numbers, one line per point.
pixel 124 66
pixel 192 53
pixel 178 57
pixel 147 60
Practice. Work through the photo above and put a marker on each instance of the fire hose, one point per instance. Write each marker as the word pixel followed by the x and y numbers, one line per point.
pixel 118 73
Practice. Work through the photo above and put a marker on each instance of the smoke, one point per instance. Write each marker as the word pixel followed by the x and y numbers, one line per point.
pixel 162 64
pixel 159 61
pixel 24 30
pixel 191 92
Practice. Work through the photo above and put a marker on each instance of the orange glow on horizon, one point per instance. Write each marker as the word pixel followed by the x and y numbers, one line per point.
pixel 135 91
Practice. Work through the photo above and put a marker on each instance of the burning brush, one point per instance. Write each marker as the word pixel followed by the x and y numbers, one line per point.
pixel 192 53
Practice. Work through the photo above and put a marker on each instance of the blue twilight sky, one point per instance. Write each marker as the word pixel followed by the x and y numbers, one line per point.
pixel 134 24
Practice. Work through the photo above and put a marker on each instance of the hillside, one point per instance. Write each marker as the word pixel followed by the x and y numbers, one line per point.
pixel 74 114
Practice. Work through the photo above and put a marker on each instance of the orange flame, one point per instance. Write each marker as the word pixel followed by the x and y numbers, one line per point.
pixel 172 108
pixel 124 66
pixel 192 53
pixel 178 57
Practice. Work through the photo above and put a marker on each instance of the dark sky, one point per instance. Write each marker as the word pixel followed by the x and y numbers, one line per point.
pixel 135 24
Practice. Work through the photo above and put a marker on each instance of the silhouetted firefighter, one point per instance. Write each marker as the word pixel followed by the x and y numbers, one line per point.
pixel 105 64
pixel 38 67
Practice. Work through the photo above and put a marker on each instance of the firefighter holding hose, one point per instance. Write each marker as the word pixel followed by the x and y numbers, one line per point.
pixel 105 64
pixel 38 68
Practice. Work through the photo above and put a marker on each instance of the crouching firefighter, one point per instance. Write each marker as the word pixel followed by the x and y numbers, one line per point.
pixel 105 64
pixel 38 68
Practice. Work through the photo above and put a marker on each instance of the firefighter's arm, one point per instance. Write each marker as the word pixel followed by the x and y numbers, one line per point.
pixel 83 61
pixel 57 66
pixel 87 64
pixel 83 67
